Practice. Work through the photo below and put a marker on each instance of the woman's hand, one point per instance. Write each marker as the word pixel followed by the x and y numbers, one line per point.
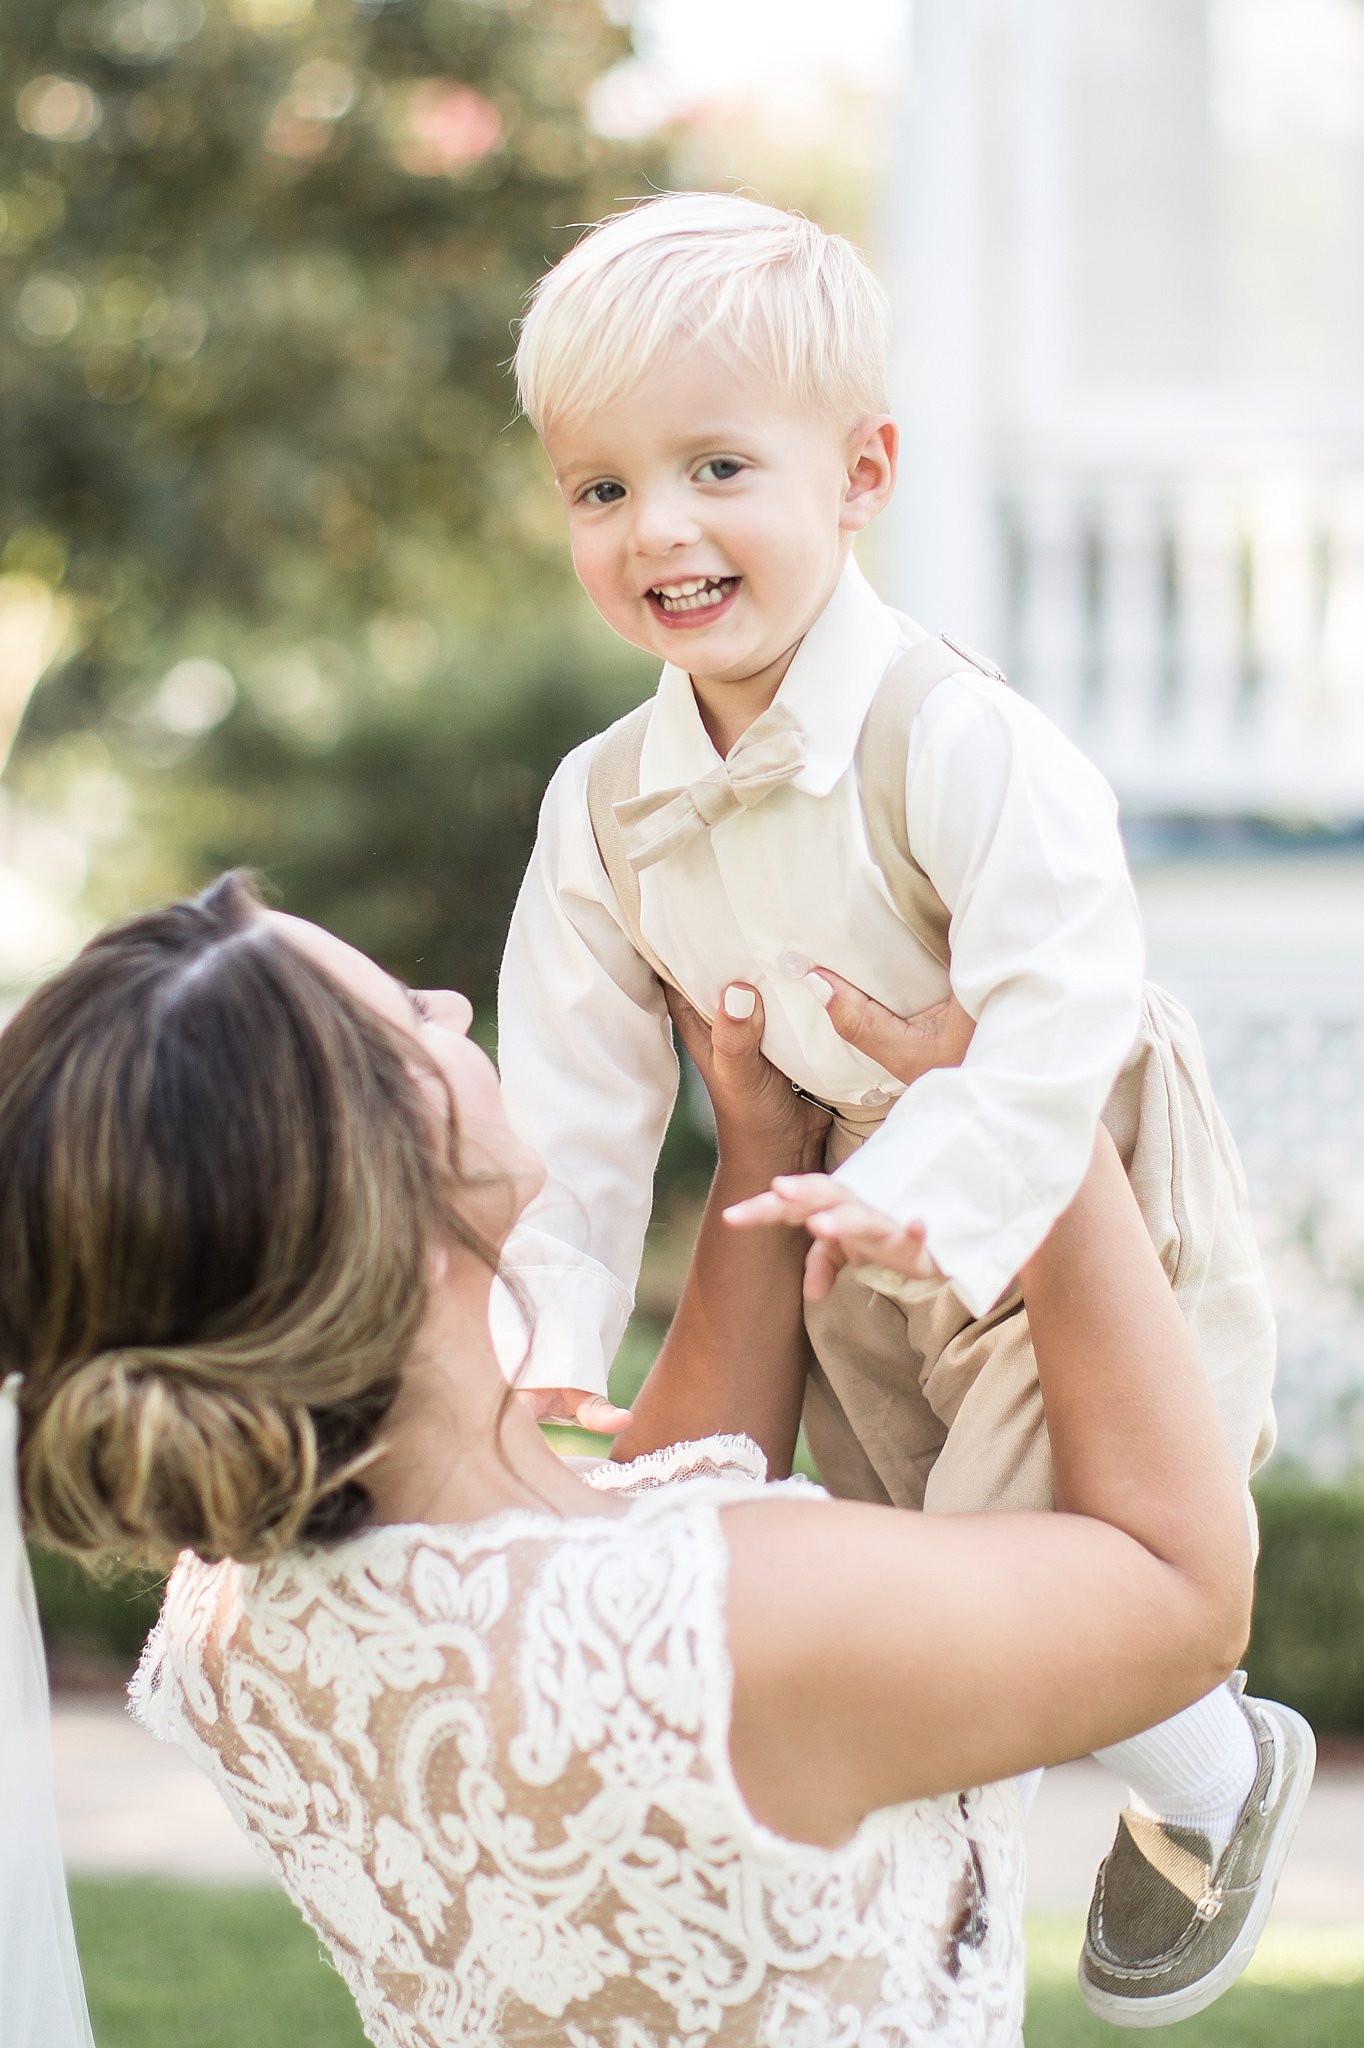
pixel 736 1354
pixel 844 1230
pixel 763 1128
pixel 757 1111
pixel 908 1047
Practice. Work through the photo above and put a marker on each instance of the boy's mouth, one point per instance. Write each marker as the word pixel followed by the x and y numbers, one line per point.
pixel 692 602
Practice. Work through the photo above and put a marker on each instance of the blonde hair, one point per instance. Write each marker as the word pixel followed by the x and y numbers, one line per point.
pixel 219 1187
pixel 771 288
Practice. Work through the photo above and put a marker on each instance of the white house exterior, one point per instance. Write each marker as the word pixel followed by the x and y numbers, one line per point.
pixel 1127 245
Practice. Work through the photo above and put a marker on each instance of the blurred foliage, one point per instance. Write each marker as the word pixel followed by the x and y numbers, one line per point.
pixel 1307 1643
pixel 102 1621
pixel 262 260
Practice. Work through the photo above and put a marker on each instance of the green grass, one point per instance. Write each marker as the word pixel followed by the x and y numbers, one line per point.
pixel 194 1966
pixel 172 1966
pixel 1304 1989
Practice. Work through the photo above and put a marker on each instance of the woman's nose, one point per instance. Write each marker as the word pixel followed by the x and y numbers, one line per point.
pixel 450 1009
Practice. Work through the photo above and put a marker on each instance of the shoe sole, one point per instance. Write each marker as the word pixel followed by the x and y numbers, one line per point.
pixel 1163 2010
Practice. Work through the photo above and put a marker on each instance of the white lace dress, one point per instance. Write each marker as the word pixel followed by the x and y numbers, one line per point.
pixel 490 1765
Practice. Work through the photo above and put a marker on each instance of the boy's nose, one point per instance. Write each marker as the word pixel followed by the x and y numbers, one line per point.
pixel 663 523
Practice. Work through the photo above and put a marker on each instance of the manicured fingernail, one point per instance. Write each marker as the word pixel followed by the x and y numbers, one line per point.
pixel 820 989
pixel 740 1003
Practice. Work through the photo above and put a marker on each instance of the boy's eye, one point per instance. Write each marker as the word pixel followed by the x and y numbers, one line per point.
pixel 719 469
pixel 603 494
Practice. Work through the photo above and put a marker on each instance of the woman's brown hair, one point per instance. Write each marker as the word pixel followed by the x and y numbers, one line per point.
pixel 219 1187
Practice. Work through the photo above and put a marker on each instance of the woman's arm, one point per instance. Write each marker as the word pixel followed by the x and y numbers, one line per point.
pixel 881 1656
pixel 735 1356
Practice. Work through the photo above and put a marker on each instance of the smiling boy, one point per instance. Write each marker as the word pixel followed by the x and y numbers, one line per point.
pixel 819 788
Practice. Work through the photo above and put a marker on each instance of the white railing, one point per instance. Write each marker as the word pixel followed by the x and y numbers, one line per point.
pixel 1200 635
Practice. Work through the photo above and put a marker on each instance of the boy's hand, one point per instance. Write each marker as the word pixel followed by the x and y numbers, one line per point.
pixel 845 1231
pixel 572 1408
pixel 755 1106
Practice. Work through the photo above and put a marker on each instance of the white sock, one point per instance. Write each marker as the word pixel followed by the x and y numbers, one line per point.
pixel 1194 1770
pixel 1029 1784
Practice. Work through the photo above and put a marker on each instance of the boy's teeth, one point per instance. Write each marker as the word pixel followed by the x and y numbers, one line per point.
pixel 693 596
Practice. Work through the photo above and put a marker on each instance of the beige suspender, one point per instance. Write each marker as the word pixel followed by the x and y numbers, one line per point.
pixel 882 768
pixel 882 761
pixel 612 778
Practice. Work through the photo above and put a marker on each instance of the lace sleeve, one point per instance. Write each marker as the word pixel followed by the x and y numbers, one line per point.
pixel 490 1765
pixel 707 1457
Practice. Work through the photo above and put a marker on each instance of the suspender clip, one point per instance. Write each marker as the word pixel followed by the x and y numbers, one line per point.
pixel 974 660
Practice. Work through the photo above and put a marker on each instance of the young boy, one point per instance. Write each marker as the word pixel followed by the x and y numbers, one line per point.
pixel 818 784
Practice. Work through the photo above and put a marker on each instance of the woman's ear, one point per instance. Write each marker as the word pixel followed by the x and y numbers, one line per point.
pixel 872 455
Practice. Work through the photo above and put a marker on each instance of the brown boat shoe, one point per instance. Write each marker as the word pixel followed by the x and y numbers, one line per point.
pixel 1171 1924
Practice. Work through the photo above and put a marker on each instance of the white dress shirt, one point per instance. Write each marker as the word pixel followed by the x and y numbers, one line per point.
pixel 1018 833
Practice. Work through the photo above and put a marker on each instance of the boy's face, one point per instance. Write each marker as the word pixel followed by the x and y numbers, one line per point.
pixel 710 516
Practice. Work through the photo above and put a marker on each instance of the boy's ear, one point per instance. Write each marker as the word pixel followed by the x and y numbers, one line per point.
pixel 872 455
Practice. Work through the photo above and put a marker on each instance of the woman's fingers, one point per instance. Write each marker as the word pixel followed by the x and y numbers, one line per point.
pixel 905 1046
pixel 737 1031
pixel 690 1025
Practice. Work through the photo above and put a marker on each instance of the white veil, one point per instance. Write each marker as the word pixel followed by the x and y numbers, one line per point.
pixel 42 1999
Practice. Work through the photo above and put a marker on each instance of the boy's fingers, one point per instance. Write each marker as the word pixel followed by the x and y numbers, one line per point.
pixel 823 1263
pixel 910 1261
pixel 790 1199
pixel 857 1236
pixel 570 1406
pixel 854 1224
pixel 595 1412
pixel 848 1219
pixel 760 1211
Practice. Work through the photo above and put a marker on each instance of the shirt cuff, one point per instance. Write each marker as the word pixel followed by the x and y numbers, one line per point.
pixel 982 1219
pixel 566 1328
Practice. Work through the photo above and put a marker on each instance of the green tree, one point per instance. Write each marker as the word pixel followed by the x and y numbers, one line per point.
pixel 261 260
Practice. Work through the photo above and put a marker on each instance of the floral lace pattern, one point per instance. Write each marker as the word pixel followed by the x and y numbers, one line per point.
pixel 490 1765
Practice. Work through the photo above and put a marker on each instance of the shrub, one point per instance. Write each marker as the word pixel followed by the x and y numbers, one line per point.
pixel 1307 1642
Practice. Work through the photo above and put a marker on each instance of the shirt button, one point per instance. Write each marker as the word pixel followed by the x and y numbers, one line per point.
pixel 794 964
pixel 874 1098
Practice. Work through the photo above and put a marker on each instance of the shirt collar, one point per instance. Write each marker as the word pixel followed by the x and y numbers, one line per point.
pixel 829 687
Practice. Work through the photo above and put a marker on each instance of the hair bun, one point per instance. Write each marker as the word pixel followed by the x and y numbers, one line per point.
pixel 140 1454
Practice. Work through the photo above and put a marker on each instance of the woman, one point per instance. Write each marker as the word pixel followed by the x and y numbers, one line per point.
pixel 548 1756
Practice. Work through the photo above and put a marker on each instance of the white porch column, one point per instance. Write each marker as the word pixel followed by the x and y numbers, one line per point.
pixel 935 547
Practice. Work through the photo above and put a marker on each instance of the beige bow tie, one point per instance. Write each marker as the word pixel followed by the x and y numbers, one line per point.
pixel 771 752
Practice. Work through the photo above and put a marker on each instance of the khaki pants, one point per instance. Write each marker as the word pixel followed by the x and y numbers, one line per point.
pixel 923 1406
